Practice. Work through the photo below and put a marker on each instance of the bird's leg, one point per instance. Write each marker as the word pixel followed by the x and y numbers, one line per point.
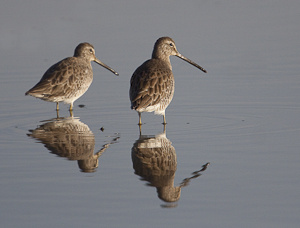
pixel 57 110
pixel 140 127
pixel 71 107
pixel 140 119
pixel 164 118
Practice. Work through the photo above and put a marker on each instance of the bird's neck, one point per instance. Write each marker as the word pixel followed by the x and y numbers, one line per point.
pixel 162 57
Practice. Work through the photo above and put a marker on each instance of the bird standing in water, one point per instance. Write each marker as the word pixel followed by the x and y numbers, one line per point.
pixel 152 84
pixel 68 79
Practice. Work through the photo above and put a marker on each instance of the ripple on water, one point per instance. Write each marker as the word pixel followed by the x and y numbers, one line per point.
pixel 238 118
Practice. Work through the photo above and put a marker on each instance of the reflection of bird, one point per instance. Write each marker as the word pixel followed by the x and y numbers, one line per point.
pixel 70 138
pixel 152 84
pixel 154 160
pixel 68 79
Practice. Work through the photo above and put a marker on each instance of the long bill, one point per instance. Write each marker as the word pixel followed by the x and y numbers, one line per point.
pixel 191 62
pixel 105 66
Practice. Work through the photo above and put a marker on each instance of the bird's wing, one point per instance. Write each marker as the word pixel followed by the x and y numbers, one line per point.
pixel 58 78
pixel 149 85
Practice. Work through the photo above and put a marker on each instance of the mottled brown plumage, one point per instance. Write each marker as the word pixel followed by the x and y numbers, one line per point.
pixel 68 79
pixel 152 84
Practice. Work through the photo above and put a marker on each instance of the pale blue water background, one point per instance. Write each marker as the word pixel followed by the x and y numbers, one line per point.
pixel 242 117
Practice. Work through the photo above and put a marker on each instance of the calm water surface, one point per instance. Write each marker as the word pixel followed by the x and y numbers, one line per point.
pixel 94 170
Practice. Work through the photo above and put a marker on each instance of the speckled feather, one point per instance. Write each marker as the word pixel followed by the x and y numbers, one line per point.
pixel 151 84
pixel 64 80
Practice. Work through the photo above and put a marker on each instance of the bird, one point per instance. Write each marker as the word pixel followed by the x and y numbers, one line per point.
pixel 152 83
pixel 68 79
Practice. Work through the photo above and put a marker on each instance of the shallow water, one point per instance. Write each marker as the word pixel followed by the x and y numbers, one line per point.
pixel 242 118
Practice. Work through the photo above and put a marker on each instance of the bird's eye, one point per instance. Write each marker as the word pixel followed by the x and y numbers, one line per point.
pixel 171 45
pixel 91 50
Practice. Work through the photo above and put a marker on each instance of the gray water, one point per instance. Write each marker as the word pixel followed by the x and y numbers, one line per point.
pixel 242 117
